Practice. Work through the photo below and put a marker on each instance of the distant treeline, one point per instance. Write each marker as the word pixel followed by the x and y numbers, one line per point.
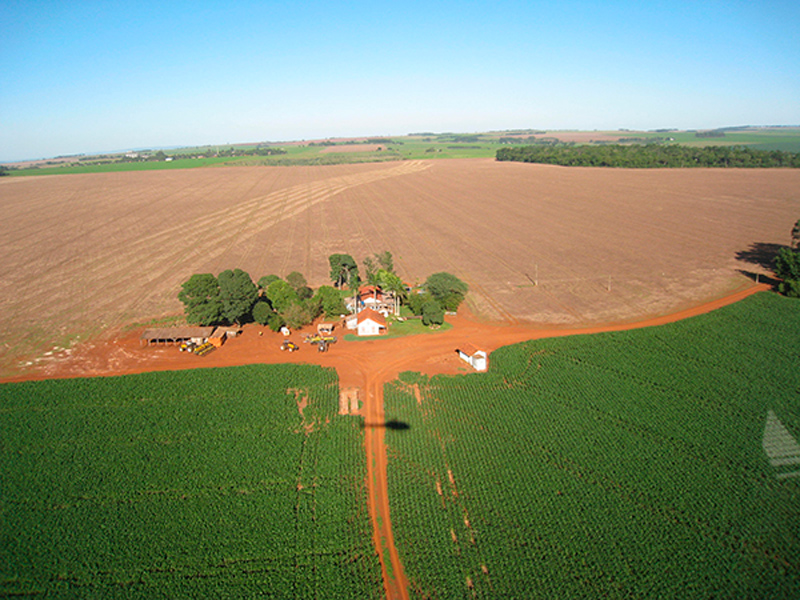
pixel 715 133
pixel 146 156
pixel 650 156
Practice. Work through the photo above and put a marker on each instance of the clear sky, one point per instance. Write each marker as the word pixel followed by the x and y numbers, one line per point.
pixel 82 77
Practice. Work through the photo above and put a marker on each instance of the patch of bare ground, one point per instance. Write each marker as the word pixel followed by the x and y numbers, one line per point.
pixel 84 254
pixel 348 401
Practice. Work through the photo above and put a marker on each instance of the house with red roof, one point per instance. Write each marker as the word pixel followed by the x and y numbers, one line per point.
pixel 370 322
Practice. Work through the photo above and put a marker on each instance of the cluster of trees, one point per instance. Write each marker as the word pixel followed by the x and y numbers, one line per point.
pixel 787 265
pixel 441 292
pixel 650 156
pixel 160 155
pixel 232 297
pixel 714 133
pixel 531 139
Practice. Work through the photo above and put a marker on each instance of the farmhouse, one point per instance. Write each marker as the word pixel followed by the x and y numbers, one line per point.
pixel 470 354
pixel 370 323
pixel 175 335
pixel 372 296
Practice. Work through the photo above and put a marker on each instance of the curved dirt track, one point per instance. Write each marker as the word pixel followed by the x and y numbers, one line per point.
pixel 365 365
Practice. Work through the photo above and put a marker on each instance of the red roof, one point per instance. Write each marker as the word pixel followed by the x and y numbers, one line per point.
pixel 468 349
pixel 368 313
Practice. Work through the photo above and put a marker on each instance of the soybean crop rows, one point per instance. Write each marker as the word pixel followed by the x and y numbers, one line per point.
pixel 619 465
pixel 202 483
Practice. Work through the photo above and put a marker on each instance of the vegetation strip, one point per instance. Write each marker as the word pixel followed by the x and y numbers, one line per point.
pixel 650 156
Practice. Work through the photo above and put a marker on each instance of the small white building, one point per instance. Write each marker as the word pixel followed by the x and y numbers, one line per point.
pixel 478 359
pixel 370 323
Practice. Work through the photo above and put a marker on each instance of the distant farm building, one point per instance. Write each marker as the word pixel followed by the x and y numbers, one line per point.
pixel 175 335
pixel 477 359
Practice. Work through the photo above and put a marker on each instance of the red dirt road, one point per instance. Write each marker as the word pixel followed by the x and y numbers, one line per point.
pixel 366 365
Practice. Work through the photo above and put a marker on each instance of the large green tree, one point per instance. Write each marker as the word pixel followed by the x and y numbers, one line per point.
pixel 389 282
pixel 201 299
pixel 262 312
pixel 301 313
pixel 330 301
pixel 264 282
pixel 238 294
pixel 787 267
pixel 296 280
pixel 432 313
pixel 281 295
pixel 446 289
pixel 343 270
pixel 380 261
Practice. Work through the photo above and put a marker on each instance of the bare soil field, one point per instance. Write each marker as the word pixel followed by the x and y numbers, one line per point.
pixel 84 255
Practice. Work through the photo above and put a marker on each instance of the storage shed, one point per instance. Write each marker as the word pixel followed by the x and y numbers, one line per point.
pixel 478 359
pixel 218 337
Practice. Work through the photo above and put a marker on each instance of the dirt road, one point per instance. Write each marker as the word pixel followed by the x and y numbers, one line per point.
pixel 365 365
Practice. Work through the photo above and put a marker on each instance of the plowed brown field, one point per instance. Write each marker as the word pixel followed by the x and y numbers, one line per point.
pixel 85 254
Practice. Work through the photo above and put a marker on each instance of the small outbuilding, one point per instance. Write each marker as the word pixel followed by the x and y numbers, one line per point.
pixel 326 328
pixel 477 359
pixel 218 337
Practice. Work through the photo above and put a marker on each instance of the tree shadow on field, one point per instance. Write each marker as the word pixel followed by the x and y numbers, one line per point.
pixel 762 255
pixel 392 424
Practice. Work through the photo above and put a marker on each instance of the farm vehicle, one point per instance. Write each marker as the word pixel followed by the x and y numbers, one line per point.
pixel 199 349
pixel 321 341
pixel 316 338
pixel 290 346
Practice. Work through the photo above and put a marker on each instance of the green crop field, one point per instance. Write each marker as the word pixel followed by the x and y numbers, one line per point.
pixel 404 147
pixel 205 484
pixel 656 463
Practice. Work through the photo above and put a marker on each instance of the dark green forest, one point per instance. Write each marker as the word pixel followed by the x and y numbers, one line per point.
pixel 650 156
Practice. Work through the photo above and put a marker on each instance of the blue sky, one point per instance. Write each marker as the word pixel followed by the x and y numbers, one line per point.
pixel 81 77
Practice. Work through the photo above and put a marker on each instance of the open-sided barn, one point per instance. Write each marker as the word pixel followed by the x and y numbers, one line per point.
pixel 175 335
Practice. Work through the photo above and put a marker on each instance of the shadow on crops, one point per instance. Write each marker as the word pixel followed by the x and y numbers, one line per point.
pixel 762 255
pixel 392 424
